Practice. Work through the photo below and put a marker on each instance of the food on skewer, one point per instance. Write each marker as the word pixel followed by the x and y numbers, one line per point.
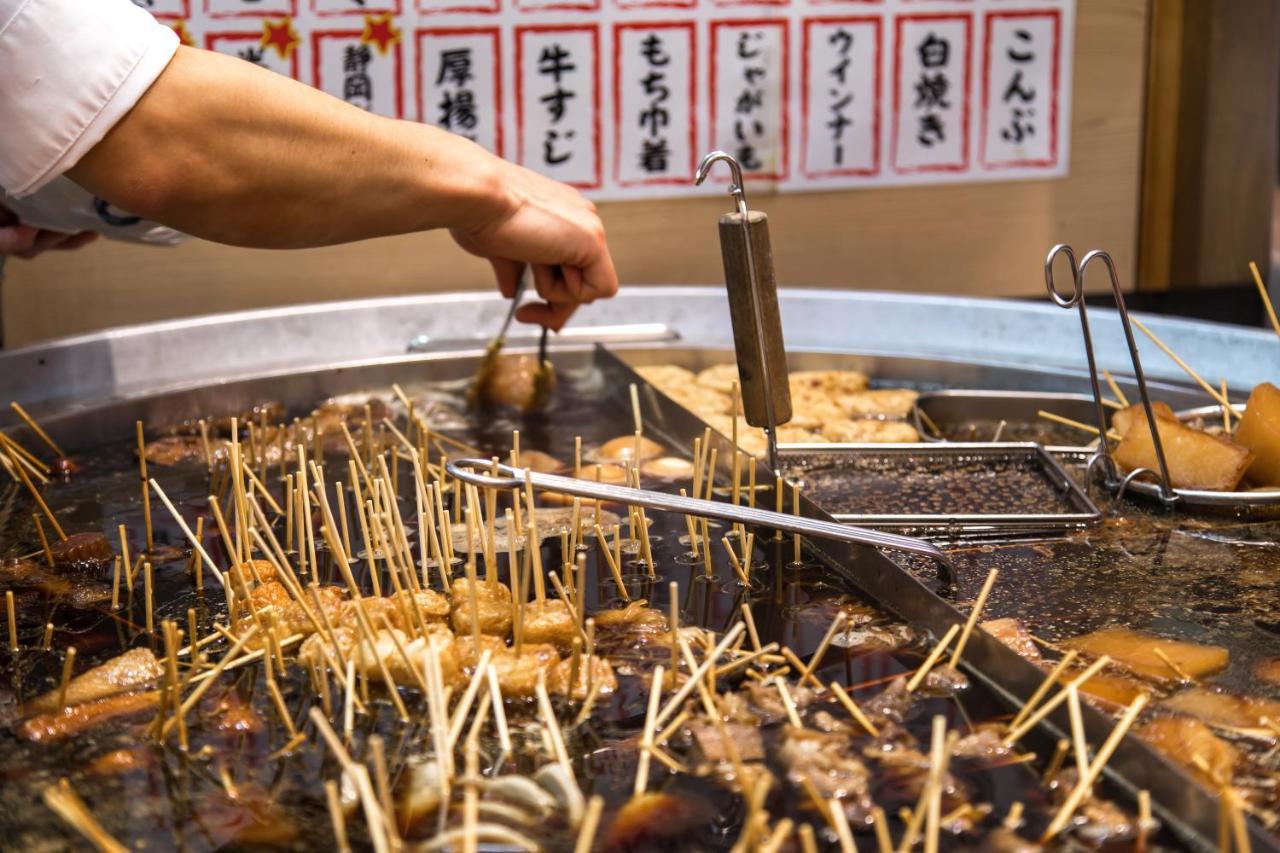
pixel 1181 738
pixel 889 402
pixel 868 429
pixel 134 669
pixel 830 382
pixel 623 449
pixel 87 554
pixel 1153 657
pixel 668 468
pixel 78 719
pixel 1196 459
pixel 827 406
pixel 1259 430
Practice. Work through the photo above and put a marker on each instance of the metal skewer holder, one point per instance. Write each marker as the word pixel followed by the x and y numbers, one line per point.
pixel 753 308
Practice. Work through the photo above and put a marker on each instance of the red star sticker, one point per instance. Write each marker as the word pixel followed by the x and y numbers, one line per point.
pixel 380 32
pixel 184 37
pixel 281 35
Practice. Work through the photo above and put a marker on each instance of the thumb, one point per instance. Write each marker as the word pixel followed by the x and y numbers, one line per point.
pixel 17 238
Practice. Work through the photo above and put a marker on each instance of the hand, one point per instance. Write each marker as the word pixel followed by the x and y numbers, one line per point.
pixel 550 227
pixel 23 241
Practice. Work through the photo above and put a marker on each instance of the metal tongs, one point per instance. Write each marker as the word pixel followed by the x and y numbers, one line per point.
pixel 1103 457
pixel 481 472
pixel 544 379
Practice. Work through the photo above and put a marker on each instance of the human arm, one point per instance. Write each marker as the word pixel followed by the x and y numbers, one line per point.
pixel 224 150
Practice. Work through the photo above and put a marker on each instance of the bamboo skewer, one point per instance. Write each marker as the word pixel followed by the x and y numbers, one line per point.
pixel 63 801
pixel 35 493
pixel 44 540
pixel 974 615
pixel 191 537
pixel 19 456
pixel 1086 781
pixel 590 822
pixel 918 678
pixel 36 428
pixel 1186 368
pixel 142 476
pixel 147 595
pixel 1047 708
pixel 816 659
pixel 854 711
pixel 1078 741
pixel 1266 298
pixel 1115 388
pixel 614 568
pixel 1045 686
pixel 68 663
pixel 336 816
pixel 1059 419
pixel 647 737
pixel 12 619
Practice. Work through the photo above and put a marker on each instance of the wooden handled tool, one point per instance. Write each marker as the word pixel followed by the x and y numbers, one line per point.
pixel 753 308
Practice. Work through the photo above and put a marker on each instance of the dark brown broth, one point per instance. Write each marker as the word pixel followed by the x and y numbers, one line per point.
pixel 176 800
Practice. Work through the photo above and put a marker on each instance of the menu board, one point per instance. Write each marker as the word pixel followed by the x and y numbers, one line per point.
pixel 621 98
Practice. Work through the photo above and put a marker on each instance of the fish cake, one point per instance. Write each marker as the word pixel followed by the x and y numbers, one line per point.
pixel 833 382
pixel 721 377
pixel 869 430
pixel 664 376
pixel 890 402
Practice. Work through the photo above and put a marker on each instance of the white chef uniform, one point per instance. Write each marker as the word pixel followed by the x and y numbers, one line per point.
pixel 69 70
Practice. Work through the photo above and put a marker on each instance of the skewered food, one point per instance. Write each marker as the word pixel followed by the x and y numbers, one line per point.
pixel 83 553
pixel 624 448
pixel 1184 738
pixel 829 382
pixel 668 467
pixel 1124 418
pixel 890 402
pixel 1259 431
pixel 1196 460
pixel 78 719
pixel 869 430
pixel 1154 657
pixel 131 670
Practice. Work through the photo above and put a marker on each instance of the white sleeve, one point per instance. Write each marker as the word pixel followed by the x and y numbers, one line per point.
pixel 69 70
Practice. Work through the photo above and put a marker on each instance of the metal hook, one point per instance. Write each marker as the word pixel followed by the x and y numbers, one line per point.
pixel 1166 490
pixel 739 193
pixel 1077 301
pixel 737 188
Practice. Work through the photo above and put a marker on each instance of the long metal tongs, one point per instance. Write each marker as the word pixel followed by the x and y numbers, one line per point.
pixel 481 472
pixel 478 390
pixel 1076 300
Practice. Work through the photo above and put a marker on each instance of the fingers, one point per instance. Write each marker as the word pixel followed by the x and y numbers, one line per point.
pixel 553 316
pixel 16 239
pixel 508 274
pixel 75 241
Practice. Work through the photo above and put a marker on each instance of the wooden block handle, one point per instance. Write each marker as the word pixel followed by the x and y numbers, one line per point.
pixel 737 276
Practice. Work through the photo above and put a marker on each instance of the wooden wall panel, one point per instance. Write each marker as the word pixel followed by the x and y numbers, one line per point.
pixel 1210 142
pixel 976 239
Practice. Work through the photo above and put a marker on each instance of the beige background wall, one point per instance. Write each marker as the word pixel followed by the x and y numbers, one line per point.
pixel 983 238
